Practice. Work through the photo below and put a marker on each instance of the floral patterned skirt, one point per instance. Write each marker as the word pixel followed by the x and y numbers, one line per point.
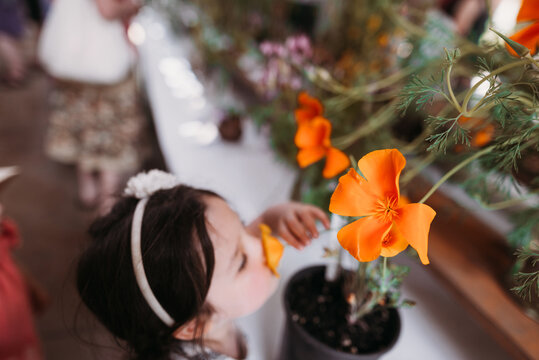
pixel 97 127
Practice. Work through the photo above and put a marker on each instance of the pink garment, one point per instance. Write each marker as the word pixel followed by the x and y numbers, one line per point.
pixel 18 340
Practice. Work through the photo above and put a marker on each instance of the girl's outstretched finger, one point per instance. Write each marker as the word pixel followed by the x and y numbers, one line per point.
pixel 287 236
pixel 309 221
pixel 320 215
pixel 298 230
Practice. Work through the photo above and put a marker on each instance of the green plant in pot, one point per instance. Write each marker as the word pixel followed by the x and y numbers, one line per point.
pixel 382 224
pixel 353 315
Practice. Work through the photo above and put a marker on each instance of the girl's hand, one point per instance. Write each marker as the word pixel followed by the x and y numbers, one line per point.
pixel 294 222
pixel 118 9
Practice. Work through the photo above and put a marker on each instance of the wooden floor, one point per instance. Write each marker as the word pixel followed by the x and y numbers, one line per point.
pixel 53 227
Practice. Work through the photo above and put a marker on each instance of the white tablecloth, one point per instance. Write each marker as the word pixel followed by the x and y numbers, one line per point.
pixel 248 175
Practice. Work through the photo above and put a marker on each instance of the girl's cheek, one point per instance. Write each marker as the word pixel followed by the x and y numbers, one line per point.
pixel 257 283
pixel 264 282
pixel 257 286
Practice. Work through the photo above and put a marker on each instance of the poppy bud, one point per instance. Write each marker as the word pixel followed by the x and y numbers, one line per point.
pixel 520 49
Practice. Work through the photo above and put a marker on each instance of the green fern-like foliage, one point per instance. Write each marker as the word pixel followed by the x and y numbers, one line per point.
pixel 528 282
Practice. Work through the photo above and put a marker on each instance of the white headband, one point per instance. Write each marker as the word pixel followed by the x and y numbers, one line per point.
pixel 142 187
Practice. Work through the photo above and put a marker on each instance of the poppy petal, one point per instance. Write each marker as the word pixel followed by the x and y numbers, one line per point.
pixel 470 121
pixel 273 249
pixel 303 116
pixel 529 37
pixel 403 200
pixel 483 136
pixel 314 133
pixel 529 10
pixel 394 243
pixel 413 222
pixel 311 103
pixel 310 155
pixel 363 238
pixel 336 162
pixel 351 197
pixel 382 170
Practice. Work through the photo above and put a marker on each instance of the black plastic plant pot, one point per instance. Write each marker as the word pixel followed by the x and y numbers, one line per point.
pixel 299 343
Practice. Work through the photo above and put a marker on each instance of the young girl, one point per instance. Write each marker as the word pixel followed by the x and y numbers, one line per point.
pixel 170 268
pixel 96 122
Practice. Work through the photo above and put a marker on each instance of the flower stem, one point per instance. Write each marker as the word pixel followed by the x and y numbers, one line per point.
pixel 379 119
pixel 412 173
pixel 507 203
pixel 385 82
pixel 450 88
pixel 384 270
pixel 365 91
pixel 455 170
pixel 494 73
pixel 529 57
pixel 362 279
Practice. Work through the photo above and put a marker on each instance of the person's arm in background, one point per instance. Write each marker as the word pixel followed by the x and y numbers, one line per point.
pixel 118 9
pixel 468 11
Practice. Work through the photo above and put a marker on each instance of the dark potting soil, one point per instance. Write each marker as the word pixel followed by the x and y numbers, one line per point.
pixel 320 308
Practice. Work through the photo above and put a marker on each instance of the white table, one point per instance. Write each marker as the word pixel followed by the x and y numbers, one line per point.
pixel 248 175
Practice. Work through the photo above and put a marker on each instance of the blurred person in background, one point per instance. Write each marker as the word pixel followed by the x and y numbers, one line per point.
pixel 12 63
pixel 20 295
pixel 37 10
pixel 470 16
pixel 96 119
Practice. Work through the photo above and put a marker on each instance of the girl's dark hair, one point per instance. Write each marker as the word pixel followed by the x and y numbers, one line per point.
pixel 178 259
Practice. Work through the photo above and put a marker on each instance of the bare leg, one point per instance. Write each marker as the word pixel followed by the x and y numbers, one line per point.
pixel 109 182
pixel 88 187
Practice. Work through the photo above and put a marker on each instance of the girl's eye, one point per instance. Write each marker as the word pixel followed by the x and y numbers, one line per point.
pixel 243 262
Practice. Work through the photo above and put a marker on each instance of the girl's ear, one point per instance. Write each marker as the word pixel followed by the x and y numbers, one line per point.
pixel 187 331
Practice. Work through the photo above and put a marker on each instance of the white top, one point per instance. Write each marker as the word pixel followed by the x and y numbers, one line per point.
pixel 194 353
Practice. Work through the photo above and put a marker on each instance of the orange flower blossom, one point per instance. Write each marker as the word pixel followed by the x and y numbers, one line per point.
pixel 483 132
pixel 387 224
pixel 309 108
pixel 273 249
pixel 313 138
pixel 528 36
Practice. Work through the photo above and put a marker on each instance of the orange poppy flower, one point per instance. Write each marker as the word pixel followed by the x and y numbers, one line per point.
pixel 483 132
pixel 528 36
pixel 388 224
pixel 273 249
pixel 484 136
pixel 309 108
pixel 529 10
pixel 312 139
